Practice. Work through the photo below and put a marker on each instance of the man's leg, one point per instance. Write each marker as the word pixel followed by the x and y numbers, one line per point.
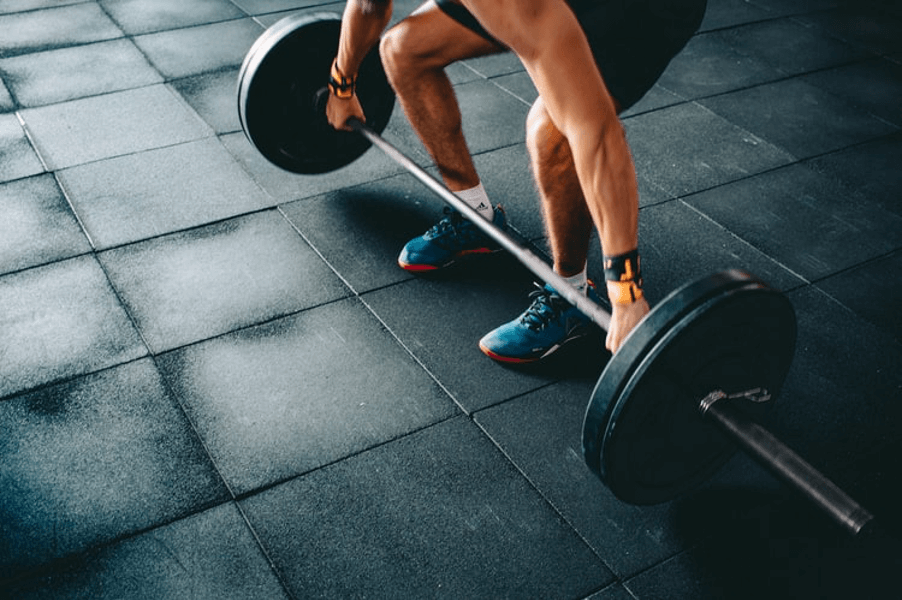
pixel 550 322
pixel 415 53
pixel 567 219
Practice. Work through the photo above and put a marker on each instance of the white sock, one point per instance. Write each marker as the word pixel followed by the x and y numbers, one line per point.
pixel 580 281
pixel 477 199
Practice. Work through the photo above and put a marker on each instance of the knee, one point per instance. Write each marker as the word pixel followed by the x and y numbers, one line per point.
pixel 390 53
pixel 401 52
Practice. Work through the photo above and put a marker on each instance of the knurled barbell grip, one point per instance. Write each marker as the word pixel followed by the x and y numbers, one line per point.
pixel 786 464
pixel 532 262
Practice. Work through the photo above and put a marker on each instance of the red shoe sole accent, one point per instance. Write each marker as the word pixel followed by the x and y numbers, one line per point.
pixel 417 268
pixel 506 359
pixel 426 268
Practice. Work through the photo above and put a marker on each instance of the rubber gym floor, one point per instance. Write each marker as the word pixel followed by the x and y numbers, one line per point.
pixel 215 382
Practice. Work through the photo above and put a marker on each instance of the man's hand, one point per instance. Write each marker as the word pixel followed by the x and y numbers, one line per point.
pixel 339 110
pixel 624 317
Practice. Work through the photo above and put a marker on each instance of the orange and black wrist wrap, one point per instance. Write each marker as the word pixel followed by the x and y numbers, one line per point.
pixel 339 85
pixel 623 277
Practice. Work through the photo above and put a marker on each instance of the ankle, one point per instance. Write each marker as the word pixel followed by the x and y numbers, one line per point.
pixel 477 199
pixel 580 280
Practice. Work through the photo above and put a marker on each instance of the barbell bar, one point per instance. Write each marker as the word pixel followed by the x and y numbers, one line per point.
pixel 689 383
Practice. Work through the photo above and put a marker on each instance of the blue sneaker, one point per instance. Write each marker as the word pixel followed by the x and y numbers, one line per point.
pixel 548 324
pixel 450 239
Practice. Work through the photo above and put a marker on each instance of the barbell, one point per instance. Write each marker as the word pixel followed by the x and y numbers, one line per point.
pixel 688 385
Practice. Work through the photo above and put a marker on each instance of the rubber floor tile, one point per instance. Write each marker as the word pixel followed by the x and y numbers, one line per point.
pixel 72 73
pixel 90 129
pixel 285 186
pixel 785 8
pixel 440 512
pixel 720 14
pixel 143 195
pixel 802 221
pixel 868 172
pixel 13 6
pixel 295 394
pixel 147 16
pixel 870 25
pixel 190 286
pixel 262 7
pixel 518 85
pixel 802 119
pixel 208 555
pixel 93 459
pixel 37 226
pixel 542 434
pixel 360 230
pixel 6 101
pixel 654 99
pixel 18 157
pixel 872 290
pixel 495 65
pixel 687 148
pixel 838 406
pixel 873 85
pixel 213 96
pixel 195 50
pixel 441 320
pixel 59 321
pixel 709 66
pixel 679 245
pixel 612 592
pixel 383 216
pixel 51 28
pixel 790 46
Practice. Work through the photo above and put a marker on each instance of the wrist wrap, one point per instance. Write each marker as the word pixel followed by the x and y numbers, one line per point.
pixel 339 85
pixel 623 277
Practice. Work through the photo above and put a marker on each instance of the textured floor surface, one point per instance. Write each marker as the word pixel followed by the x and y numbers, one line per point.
pixel 215 382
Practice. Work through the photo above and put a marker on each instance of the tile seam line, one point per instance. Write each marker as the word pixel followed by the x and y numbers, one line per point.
pixel 558 512
pixel 470 418
pixel 246 495
pixel 233 498
pixel 69 379
pixel 869 261
pixel 61 563
pixel 356 294
pixel 746 243
pixel 783 77
pixel 47 169
pixel 97 251
pixel 796 162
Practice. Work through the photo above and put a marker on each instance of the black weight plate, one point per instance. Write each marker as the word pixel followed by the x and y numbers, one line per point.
pixel 282 92
pixel 643 434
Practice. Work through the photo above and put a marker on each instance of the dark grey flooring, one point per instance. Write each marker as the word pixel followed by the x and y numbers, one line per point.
pixel 216 382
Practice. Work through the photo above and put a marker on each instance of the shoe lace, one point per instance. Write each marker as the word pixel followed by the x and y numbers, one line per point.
pixel 449 223
pixel 546 307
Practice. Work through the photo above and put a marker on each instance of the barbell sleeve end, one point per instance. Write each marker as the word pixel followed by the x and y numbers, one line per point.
pixel 785 463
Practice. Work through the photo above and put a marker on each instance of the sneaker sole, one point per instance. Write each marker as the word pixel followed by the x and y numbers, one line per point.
pixel 427 267
pixel 532 359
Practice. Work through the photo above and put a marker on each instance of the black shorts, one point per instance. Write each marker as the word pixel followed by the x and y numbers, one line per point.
pixel 633 41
